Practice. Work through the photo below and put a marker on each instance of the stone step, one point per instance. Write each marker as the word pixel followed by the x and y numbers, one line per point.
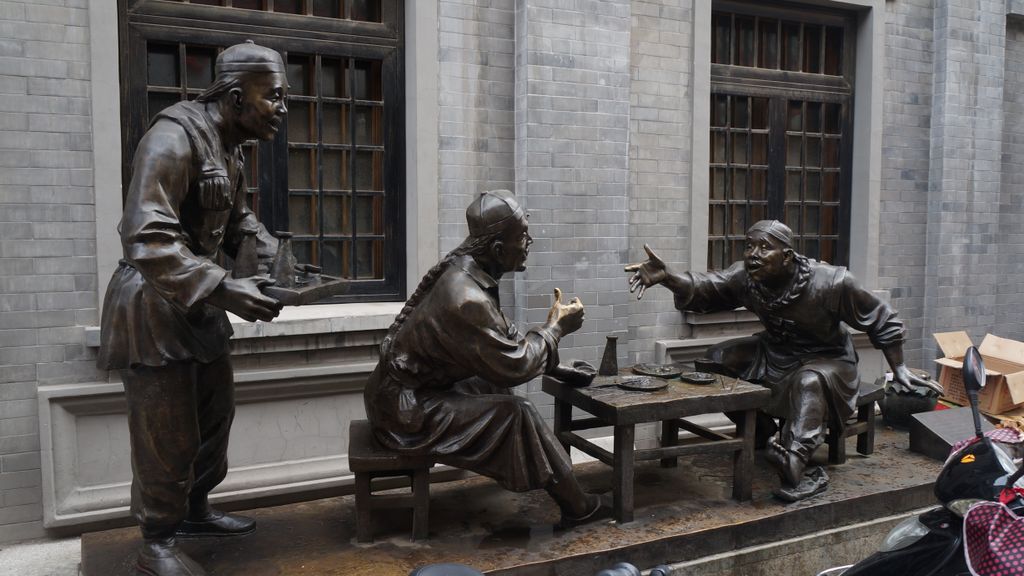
pixel 683 515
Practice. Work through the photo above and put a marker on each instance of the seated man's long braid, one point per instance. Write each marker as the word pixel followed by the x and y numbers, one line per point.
pixel 472 245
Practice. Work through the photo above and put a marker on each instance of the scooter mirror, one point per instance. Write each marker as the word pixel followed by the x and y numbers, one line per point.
pixel 974 378
pixel 973 370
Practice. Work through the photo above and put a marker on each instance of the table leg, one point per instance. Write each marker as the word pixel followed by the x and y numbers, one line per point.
pixel 743 459
pixel 623 488
pixel 563 421
pixel 669 437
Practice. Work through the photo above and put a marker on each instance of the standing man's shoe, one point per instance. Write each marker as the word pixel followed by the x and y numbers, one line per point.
pixel 216 523
pixel 162 557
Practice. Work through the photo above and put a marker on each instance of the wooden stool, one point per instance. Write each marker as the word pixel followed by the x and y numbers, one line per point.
pixel 863 427
pixel 369 460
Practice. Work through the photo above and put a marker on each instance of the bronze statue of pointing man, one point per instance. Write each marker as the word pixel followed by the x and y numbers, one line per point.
pixel 804 355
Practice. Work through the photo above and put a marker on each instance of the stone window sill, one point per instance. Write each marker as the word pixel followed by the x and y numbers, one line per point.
pixel 305 320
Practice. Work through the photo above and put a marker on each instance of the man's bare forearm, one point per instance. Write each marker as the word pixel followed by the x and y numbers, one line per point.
pixel 893 355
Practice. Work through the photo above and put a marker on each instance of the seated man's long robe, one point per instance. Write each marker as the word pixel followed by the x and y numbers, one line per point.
pixel 441 388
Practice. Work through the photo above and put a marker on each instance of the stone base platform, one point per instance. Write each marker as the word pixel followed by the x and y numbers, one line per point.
pixel 682 514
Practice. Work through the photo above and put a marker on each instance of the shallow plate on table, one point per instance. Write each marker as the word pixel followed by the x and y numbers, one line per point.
pixel 698 377
pixel 657 370
pixel 642 383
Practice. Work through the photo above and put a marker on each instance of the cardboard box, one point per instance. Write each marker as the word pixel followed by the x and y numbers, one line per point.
pixel 1004 371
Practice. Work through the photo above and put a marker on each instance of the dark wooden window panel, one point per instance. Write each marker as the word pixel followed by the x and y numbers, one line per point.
pixel 739 171
pixel 781 127
pixel 360 10
pixel 334 177
pixel 336 164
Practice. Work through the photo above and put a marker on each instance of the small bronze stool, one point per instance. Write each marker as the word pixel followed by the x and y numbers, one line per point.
pixel 863 427
pixel 369 460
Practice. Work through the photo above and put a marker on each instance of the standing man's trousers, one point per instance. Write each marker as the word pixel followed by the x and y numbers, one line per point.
pixel 179 419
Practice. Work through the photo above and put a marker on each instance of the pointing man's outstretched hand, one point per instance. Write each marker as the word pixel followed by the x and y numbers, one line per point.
pixel 646 274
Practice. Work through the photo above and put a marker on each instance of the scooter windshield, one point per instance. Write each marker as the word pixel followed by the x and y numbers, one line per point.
pixel 979 470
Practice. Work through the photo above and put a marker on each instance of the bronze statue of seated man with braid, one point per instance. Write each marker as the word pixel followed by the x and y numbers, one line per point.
pixel 447 363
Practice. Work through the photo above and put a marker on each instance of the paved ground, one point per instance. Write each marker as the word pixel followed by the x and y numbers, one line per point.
pixel 505 525
pixel 682 513
pixel 41 557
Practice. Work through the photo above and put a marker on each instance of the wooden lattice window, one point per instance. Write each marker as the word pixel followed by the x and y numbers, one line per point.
pixel 359 10
pixel 773 43
pixel 334 177
pixel 336 151
pixel 780 136
pixel 739 172
pixel 813 140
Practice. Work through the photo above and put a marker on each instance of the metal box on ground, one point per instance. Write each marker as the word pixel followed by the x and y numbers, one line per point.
pixel 934 433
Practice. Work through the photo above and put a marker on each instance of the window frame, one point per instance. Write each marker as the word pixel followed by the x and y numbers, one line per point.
pixel 142 21
pixel 779 86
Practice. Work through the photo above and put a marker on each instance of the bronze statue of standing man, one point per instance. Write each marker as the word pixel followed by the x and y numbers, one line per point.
pixel 804 356
pixel 164 324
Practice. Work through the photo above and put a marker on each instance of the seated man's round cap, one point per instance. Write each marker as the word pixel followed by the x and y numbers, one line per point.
pixel 775 229
pixel 249 57
pixel 492 211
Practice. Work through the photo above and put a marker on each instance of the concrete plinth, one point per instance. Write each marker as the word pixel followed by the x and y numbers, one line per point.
pixel 683 515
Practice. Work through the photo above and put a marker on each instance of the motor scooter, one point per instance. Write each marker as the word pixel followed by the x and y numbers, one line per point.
pixel 932 544
pixel 620 569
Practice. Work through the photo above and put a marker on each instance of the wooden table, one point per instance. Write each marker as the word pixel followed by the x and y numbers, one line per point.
pixel 624 409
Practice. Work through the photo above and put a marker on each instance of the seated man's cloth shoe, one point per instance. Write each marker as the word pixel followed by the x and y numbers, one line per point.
pixel 162 557
pixel 814 481
pixel 798 481
pixel 599 507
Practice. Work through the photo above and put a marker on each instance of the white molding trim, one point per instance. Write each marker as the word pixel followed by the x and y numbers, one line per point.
pixel 421 147
pixel 700 149
pixel 304 321
pixel 105 83
pixel 64 409
pixel 866 185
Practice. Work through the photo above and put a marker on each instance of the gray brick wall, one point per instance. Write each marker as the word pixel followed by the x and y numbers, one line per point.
pixel 965 158
pixel 905 160
pixel 47 257
pixel 660 134
pixel 1010 289
pixel 476 130
pixel 572 135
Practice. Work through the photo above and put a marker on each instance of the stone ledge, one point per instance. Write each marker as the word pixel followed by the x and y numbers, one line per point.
pixel 737 316
pixel 287 440
pixel 684 515
pixel 304 321
pixel 871 361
